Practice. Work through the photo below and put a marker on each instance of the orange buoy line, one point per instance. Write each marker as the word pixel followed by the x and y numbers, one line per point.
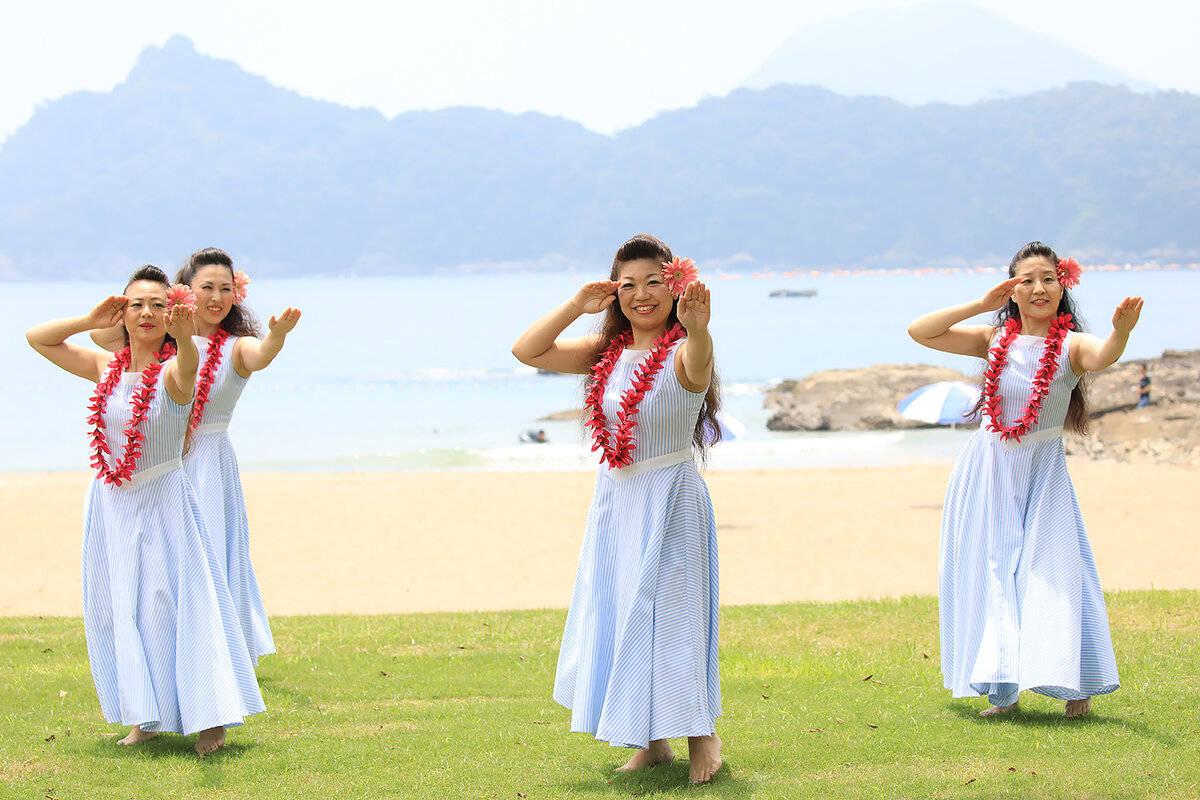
pixel 920 271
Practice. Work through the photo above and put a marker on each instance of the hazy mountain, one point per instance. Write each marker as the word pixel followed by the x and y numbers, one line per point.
pixel 948 51
pixel 191 151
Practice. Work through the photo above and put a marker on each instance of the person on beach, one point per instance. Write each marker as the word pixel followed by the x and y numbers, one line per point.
pixel 228 335
pixel 1143 388
pixel 638 660
pixel 164 645
pixel 1020 600
pixel 232 352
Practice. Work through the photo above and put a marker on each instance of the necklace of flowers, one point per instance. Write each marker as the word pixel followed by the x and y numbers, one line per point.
pixel 208 374
pixel 998 357
pixel 139 407
pixel 617 447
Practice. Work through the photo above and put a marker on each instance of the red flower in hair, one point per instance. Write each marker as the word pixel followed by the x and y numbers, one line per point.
pixel 240 282
pixel 180 295
pixel 1069 272
pixel 679 273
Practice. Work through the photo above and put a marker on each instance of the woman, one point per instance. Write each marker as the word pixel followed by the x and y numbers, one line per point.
pixel 165 649
pixel 1020 599
pixel 232 352
pixel 638 662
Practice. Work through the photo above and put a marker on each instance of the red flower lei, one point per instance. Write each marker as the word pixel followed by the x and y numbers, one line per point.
pixel 998 357
pixel 140 405
pixel 208 374
pixel 617 448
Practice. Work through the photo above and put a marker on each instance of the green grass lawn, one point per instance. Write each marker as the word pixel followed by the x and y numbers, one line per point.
pixel 838 701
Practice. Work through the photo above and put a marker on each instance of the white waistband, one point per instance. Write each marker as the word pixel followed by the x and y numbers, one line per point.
pixel 147 475
pixel 212 427
pixel 658 462
pixel 1030 438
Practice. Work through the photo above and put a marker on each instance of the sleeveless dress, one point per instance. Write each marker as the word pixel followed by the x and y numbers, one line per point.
pixel 638 660
pixel 1020 600
pixel 165 647
pixel 212 468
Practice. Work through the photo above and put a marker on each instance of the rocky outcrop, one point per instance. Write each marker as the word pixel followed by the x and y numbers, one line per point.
pixel 1167 431
pixel 851 399
pixel 865 399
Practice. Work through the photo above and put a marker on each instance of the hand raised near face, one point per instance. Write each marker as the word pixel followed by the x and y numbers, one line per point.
pixel 107 313
pixel 594 297
pixel 694 307
pixel 179 321
pixel 998 295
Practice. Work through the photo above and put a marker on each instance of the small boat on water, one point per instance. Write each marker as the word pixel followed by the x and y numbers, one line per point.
pixel 793 293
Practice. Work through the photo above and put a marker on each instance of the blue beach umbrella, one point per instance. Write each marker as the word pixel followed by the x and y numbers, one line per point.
pixel 942 403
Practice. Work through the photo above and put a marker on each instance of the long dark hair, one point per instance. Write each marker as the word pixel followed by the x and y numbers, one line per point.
pixel 147 272
pixel 1077 411
pixel 614 322
pixel 240 321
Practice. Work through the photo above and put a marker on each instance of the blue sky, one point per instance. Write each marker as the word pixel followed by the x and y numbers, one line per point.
pixel 608 64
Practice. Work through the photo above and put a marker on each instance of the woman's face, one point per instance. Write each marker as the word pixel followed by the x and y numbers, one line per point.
pixel 643 294
pixel 213 287
pixel 1039 292
pixel 145 311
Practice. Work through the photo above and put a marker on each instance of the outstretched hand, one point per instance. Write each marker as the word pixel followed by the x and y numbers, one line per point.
pixel 594 297
pixel 285 322
pixel 999 294
pixel 694 307
pixel 179 322
pixel 107 313
pixel 1128 312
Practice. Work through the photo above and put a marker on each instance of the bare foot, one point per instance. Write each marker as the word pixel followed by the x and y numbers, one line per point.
pixel 704 755
pixel 137 736
pixel 996 711
pixel 1077 708
pixel 659 752
pixel 210 740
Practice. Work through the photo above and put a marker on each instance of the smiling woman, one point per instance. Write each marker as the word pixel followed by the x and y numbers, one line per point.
pixel 165 648
pixel 1020 600
pixel 638 661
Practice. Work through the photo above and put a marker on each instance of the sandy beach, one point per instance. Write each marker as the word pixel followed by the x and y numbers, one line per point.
pixel 366 543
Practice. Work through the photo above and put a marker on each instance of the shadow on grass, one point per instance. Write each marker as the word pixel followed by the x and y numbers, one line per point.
pixel 1054 719
pixel 170 745
pixel 663 779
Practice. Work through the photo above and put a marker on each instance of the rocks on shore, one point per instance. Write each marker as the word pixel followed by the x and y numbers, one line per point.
pixel 865 399
pixel 851 399
pixel 1166 431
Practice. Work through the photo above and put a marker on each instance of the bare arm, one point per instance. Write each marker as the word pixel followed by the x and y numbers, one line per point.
pixel 694 358
pixel 939 330
pixel 50 339
pixel 1091 354
pixel 540 346
pixel 111 339
pixel 180 374
pixel 250 354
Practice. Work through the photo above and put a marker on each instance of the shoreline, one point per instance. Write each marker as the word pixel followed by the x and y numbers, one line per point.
pixel 381 543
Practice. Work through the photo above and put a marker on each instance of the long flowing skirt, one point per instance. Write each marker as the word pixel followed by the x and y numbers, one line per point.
pixel 638 660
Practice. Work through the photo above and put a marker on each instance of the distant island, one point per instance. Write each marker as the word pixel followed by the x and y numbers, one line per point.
pixel 192 151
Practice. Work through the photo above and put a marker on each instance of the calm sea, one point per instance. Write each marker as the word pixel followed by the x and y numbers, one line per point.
pixel 415 373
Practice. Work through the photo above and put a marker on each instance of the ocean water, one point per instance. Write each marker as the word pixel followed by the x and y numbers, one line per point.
pixel 415 373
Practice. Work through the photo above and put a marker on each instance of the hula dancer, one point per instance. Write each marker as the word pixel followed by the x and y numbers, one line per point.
pixel 638 662
pixel 165 647
pixel 1020 601
pixel 231 352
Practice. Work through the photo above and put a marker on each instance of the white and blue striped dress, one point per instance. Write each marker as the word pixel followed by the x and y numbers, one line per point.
pixel 212 467
pixel 638 660
pixel 165 647
pixel 1020 601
